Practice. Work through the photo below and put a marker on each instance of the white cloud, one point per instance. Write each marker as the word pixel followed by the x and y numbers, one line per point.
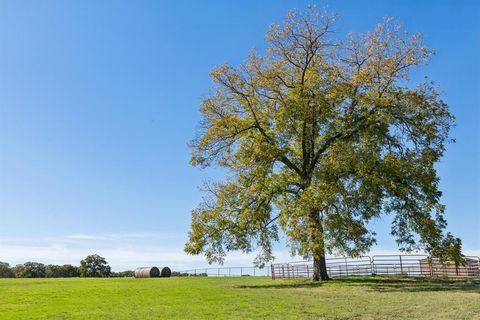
pixel 123 236
pixel 130 250
pixel 122 251
pixel 82 236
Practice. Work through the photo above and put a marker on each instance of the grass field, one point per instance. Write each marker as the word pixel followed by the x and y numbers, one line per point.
pixel 239 298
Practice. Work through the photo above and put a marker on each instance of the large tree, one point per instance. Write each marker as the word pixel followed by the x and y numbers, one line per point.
pixel 319 136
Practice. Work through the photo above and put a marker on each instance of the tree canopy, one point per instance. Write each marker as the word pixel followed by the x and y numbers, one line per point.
pixel 6 271
pixel 94 266
pixel 30 270
pixel 63 271
pixel 319 136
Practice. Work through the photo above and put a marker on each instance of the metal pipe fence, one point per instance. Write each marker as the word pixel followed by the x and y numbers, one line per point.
pixel 226 272
pixel 403 265
pixel 388 265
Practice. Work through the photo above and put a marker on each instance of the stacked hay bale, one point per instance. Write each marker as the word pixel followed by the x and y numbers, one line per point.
pixel 147 272
pixel 152 272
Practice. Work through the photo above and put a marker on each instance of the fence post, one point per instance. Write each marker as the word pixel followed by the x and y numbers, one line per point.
pixel 229 272
pixel 254 271
pixel 401 266
pixel 346 266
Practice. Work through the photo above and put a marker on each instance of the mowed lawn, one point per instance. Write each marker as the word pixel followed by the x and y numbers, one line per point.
pixel 239 298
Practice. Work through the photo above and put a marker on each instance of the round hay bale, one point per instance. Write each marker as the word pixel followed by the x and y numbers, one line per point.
pixel 166 272
pixel 147 272
pixel 154 272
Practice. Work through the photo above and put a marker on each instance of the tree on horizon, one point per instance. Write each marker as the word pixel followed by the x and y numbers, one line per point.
pixel 94 266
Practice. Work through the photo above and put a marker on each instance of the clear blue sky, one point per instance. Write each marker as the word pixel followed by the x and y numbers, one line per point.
pixel 98 100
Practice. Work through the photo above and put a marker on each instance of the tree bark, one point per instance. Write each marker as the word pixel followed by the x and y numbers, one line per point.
pixel 319 261
pixel 320 269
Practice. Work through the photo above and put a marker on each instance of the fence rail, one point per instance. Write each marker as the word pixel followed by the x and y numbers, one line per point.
pixel 405 265
pixel 227 272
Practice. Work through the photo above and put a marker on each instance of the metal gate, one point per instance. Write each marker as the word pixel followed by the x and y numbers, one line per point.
pixel 402 265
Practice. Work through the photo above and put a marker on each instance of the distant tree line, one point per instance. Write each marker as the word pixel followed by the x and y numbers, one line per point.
pixel 93 266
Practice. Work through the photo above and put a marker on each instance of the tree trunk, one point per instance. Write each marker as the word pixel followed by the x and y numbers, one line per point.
pixel 320 269
pixel 319 262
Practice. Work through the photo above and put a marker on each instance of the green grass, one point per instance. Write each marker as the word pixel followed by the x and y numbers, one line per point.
pixel 239 298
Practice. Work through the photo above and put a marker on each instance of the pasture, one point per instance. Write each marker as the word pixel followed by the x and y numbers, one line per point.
pixel 239 298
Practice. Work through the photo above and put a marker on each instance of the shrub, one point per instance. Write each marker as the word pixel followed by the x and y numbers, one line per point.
pixel 6 271
pixel 30 270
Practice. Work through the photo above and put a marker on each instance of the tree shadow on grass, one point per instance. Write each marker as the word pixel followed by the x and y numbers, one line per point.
pixel 381 284
pixel 418 284
pixel 285 284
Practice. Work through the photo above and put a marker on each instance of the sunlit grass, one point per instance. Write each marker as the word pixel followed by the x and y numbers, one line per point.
pixel 239 298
